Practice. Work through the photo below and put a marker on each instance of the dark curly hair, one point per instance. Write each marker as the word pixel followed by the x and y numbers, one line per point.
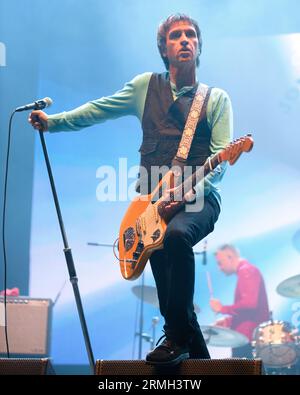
pixel 163 29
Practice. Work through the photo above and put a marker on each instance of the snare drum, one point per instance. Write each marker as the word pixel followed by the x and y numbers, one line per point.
pixel 275 344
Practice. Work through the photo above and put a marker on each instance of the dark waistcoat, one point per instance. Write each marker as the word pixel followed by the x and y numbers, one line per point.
pixel 163 123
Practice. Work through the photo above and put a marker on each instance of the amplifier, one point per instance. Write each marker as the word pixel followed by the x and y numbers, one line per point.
pixel 232 366
pixel 25 366
pixel 28 326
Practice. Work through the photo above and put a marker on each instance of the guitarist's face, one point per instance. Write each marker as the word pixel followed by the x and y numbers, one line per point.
pixel 227 261
pixel 181 43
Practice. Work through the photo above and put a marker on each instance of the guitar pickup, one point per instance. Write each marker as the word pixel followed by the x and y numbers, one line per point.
pixel 155 235
pixel 138 250
pixel 128 238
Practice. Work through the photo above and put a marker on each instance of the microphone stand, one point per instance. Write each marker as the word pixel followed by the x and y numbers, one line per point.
pixel 69 260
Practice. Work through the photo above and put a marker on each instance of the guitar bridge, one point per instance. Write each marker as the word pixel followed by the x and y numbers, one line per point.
pixel 139 249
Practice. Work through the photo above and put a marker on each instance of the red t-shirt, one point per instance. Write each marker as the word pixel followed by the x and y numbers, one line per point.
pixel 250 306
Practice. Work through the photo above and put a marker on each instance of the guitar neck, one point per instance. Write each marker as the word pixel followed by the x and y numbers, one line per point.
pixel 231 154
pixel 209 165
pixel 166 210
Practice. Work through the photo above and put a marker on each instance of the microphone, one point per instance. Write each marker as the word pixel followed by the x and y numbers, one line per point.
pixel 37 105
pixel 271 316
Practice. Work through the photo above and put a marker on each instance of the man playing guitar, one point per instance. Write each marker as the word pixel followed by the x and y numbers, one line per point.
pixel 162 103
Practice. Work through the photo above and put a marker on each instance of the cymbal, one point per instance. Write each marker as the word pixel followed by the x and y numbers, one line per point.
pixel 290 287
pixel 222 337
pixel 150 296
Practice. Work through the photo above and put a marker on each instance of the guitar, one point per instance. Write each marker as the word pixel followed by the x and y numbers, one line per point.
pixel 145 222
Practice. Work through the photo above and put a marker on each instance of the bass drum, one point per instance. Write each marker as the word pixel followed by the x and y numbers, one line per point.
pixel 275 343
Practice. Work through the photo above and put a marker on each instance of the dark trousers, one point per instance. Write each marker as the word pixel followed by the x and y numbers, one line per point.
pixel 174 273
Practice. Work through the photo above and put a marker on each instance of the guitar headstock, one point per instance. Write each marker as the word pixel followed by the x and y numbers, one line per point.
pixel 233 151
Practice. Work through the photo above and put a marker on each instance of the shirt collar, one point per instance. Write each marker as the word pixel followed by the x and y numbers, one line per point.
pixel 182 90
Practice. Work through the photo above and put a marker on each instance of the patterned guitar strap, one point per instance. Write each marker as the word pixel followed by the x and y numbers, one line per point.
pixel 196 112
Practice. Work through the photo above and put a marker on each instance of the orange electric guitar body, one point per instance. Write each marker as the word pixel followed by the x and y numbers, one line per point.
pixel 141 232
pixel 144 225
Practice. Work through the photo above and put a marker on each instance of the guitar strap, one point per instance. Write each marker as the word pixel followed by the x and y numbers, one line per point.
pixel 194 115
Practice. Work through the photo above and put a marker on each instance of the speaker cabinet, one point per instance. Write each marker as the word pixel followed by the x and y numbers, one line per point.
pixel 34 366
pixel 28 326
pixel 232 366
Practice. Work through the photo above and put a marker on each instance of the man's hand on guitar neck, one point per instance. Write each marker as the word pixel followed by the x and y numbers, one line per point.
pixel 173 201
pixel 174 195
pixel 190 196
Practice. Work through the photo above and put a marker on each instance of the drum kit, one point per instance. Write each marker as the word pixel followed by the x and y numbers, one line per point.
pixel 275 342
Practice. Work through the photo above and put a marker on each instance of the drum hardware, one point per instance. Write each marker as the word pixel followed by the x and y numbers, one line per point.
pixel 146 337
pixel 155 321
pixel 148 294
pixel 142 293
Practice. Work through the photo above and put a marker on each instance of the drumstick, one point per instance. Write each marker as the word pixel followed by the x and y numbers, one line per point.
pixel 209 284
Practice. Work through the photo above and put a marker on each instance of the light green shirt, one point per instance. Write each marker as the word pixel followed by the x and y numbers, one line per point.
pixel 130 100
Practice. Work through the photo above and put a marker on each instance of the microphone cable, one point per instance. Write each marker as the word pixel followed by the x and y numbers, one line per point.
pixel 3 234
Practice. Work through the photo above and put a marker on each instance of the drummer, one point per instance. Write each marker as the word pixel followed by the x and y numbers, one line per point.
pixel 250 307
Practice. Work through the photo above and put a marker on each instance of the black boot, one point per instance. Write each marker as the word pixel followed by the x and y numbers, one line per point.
pixel 168 353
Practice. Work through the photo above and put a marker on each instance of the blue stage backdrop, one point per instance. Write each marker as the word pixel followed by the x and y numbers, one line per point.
pixel 90 49
pixel 19 43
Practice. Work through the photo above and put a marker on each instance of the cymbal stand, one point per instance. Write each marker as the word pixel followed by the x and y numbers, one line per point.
pixel 141 335
pixel 141 323
pixel 155 321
